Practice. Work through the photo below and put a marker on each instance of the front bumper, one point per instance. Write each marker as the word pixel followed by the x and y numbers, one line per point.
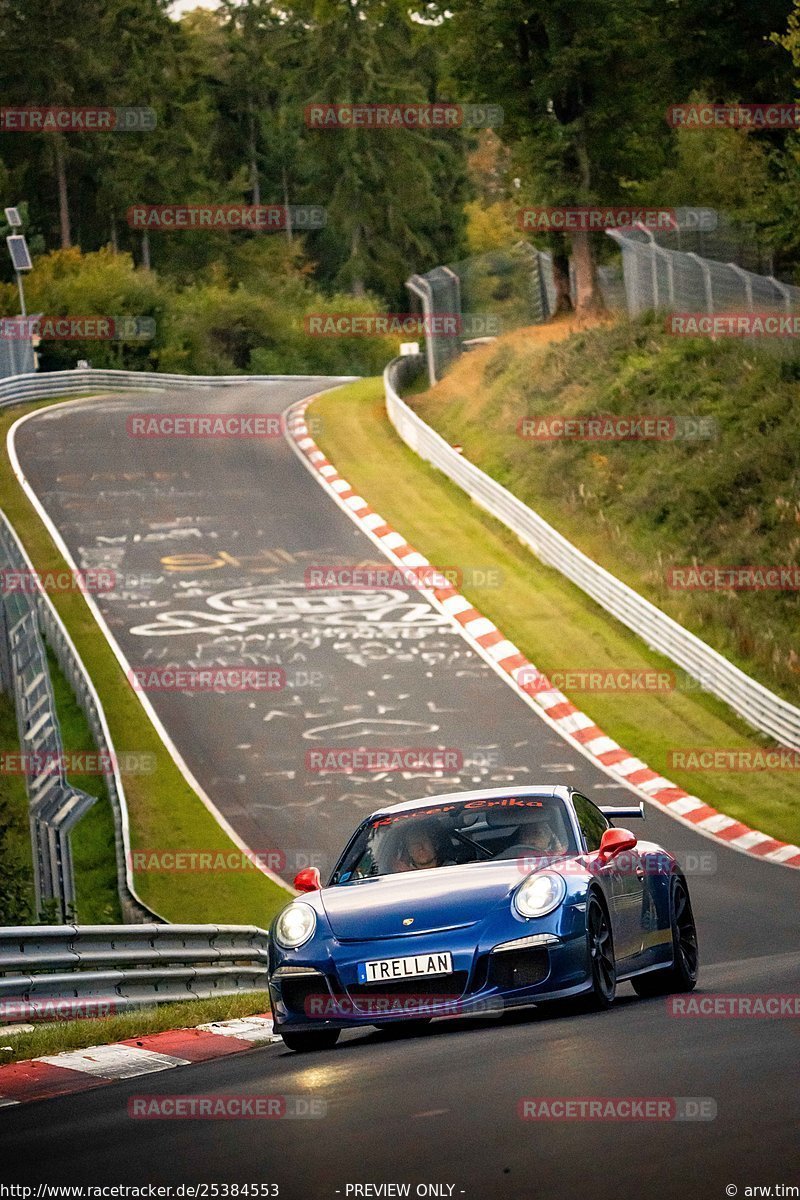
pixel 526 964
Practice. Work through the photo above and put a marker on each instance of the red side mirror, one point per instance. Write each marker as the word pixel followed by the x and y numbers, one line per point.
pixel 308 880
pixel 614 841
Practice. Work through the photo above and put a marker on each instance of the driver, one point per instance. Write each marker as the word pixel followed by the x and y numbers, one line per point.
pixel 536 835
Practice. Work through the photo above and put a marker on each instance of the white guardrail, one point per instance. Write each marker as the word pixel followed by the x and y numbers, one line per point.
pixel 18 388
pixel 55 806
pixel 52 971
pixel 760 707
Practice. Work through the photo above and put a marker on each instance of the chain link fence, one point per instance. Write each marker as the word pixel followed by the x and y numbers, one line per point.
pixel 486 295
pixel 659 277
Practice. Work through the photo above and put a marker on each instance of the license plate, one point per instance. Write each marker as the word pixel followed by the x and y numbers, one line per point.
pixel 384 970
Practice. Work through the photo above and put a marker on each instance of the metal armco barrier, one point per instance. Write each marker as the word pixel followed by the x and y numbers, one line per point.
pixel 51 971
pixel 20 388
pixel 759 706
pixel 55 806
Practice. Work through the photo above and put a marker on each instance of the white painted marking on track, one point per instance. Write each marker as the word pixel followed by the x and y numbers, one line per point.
pixel 114 1062
pixel 717 823
pixel 782 853
pixel 685 804
pixel 247 1029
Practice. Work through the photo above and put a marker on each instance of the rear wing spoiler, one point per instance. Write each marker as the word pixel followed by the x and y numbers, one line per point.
pixel 619 812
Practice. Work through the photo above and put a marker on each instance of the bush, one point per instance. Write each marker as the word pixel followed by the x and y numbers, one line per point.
pixel 256 325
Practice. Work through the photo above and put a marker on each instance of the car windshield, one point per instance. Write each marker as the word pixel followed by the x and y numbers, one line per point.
pixel 446 835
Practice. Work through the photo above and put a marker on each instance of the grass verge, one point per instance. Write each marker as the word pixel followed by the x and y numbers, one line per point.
pixel 92 839
pixel 165 812
pixel 101 1031
pixel 550 620
pixel 643 508
pixel 17 897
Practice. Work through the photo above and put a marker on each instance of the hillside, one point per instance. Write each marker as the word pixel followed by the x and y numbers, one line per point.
pixel 644 507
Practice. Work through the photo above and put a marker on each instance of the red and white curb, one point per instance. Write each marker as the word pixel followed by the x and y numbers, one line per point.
pixel 552 706
pixel 79 1070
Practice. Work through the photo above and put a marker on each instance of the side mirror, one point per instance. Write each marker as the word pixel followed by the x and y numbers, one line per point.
pixel 307 880
pixel 615 841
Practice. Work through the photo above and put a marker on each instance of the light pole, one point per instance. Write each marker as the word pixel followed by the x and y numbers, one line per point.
pixel 21 261
pixel 20 256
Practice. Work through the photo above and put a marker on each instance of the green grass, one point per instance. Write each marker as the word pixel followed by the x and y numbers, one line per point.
pixel 92 839
pixel 549 619
pixel 639 508
pixel 16 866
pixel 165 812
pixel 77 1035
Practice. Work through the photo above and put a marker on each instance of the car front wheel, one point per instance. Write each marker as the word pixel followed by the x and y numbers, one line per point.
pixel 602 962
pixel 303 1041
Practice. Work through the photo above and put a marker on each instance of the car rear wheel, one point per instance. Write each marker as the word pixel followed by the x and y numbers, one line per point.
pixel 603 965
pixel 303 1041
pixel 681 976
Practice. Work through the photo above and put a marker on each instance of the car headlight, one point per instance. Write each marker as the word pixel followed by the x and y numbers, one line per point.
pixel 295 926
pixel 540 894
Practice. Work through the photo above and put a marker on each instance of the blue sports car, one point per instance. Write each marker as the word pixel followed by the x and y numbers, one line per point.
pixel 474 902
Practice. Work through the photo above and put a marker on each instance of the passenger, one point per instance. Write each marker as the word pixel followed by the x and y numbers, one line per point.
pixel 422 847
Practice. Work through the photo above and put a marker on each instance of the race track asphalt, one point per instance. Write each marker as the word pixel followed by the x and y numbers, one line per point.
pixel 383 670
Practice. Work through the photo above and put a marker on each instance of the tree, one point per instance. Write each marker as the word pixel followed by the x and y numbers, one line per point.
pixel 394 197
pixel 583 86
pixel 76 70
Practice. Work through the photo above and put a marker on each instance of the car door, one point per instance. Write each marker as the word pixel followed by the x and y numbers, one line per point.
pixel 622 880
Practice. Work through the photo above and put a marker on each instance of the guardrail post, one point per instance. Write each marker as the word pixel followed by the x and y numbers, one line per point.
pixel 706 273
pixel 782 290
pixel 422 289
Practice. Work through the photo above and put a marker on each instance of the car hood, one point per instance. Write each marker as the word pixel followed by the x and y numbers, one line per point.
pixel 442 898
